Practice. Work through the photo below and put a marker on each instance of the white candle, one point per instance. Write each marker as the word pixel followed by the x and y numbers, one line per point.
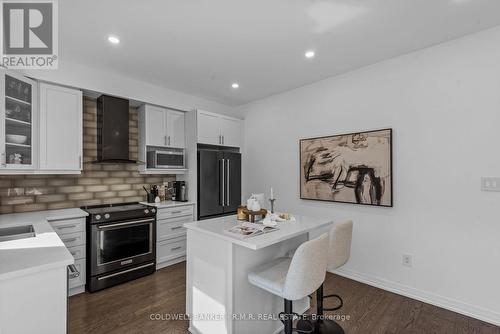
pixel 272 193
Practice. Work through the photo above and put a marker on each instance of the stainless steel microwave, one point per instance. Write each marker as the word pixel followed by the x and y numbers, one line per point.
pixel 171 158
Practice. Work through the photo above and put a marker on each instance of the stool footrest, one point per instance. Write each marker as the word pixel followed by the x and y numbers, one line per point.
pixel 334 308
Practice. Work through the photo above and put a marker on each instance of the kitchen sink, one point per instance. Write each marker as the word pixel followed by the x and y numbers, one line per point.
pixel 17 232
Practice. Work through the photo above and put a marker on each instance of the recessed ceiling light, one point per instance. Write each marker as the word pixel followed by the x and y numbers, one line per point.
pixel 309 54
pixel 113 40
pixel 235 85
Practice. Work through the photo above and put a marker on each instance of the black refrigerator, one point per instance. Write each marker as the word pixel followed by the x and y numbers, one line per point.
pixel 219 182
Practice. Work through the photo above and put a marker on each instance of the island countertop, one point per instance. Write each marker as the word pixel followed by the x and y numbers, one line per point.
pixel 286 230
pixel 44 251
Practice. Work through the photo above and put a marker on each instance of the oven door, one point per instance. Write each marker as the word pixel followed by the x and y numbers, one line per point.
pixel 122 244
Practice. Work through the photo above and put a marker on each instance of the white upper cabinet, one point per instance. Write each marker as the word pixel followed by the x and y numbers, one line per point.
pixel 215 129
pixel 175 129
pixel 18 123
pixel 162 126
pixel 208 128
pixel 156 126
pixel 230 129
pixel 60 128
pixel 41 127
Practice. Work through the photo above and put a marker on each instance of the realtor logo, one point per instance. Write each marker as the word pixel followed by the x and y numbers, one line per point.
pixel 29 36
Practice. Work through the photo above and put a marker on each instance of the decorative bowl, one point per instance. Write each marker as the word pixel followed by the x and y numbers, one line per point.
pixel 16 139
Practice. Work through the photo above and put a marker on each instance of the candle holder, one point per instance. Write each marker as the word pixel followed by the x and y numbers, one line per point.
pixel 272 204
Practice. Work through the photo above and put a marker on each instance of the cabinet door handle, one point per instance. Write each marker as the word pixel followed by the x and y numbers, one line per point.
pixel 65 226
pixel 69 240
pixel 223 179
pixel 175 248
pixel 80 162
pixel 227 174
pixel 176 227
pixel 4 160
pixel 165 139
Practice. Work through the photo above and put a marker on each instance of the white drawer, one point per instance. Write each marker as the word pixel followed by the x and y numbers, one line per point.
pixel 80 280
pixel 170 249
pixel 177 211
pixel 172 227
pixel 73 239
pixel 68 226
pixel 78 252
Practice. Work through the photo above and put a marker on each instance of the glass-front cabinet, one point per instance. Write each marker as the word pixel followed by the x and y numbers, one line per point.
pixel 18 121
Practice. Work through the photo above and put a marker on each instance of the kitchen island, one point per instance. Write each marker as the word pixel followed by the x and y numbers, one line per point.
pixel 219 298
pixel 33 274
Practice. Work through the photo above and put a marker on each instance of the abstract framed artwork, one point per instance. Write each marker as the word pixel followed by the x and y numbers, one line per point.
pixel 348 168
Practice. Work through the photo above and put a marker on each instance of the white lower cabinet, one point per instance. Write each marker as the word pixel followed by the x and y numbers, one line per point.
pixel 78 252
pixel 171 249
pixel 72 233
pixel 171 234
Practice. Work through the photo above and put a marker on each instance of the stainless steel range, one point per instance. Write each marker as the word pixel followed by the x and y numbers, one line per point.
pixel 121 244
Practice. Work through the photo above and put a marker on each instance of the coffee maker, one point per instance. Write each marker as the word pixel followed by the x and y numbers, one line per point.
pixel 179 191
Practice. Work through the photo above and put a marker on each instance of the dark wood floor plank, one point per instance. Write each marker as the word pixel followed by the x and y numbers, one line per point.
pixel 127 308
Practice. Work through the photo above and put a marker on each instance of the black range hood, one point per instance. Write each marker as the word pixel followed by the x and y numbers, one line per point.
pixel 112 130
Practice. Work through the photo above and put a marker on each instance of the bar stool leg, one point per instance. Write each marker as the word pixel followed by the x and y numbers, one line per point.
pixel 321 325
pixel 288 317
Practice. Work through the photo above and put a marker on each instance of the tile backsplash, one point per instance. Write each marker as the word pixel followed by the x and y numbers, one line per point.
pixel 98 183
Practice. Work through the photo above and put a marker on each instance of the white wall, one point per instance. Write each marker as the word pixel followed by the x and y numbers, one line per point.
pixel 104 81
pixel 444 106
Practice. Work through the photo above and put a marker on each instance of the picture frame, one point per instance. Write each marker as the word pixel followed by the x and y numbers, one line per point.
pixel 353 168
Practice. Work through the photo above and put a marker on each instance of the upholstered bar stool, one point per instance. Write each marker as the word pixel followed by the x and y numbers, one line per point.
pixel 339 250
pixel 294 278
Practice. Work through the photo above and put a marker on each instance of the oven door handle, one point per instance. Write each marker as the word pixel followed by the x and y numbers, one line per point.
pixel 126 224
pixel 125 271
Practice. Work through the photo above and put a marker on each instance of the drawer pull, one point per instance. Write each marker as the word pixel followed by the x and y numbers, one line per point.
pixel 176 212
pixel 175 248
pixel 176 227
pixel 70 240
pixel 65 226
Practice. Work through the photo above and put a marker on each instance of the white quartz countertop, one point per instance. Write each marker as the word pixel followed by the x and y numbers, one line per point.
pixel 287 230
pixel 42 252
pixel 167 204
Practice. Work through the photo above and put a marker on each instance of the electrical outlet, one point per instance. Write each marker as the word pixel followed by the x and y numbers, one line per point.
pixel 490 184
pixel 407 260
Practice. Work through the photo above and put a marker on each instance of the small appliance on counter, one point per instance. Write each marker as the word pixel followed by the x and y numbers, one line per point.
pixel 179 191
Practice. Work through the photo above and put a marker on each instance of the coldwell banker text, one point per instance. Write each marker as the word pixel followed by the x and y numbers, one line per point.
pixel 29 34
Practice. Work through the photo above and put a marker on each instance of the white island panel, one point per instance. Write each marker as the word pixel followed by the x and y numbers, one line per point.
pixel 219 297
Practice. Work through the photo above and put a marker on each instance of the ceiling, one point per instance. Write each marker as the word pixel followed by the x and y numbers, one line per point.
pixel 201 47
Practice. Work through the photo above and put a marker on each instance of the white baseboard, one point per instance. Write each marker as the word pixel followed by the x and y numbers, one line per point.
pixel 76 290
pixel 170 262
pixel 454 305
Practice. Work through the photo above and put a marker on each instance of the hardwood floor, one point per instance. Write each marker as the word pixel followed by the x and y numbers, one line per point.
pixel 127 309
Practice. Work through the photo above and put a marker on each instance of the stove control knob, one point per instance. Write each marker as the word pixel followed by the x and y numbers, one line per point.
pixel 106 216
pixel 146 211
pixel 153 210
pixel 97 217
